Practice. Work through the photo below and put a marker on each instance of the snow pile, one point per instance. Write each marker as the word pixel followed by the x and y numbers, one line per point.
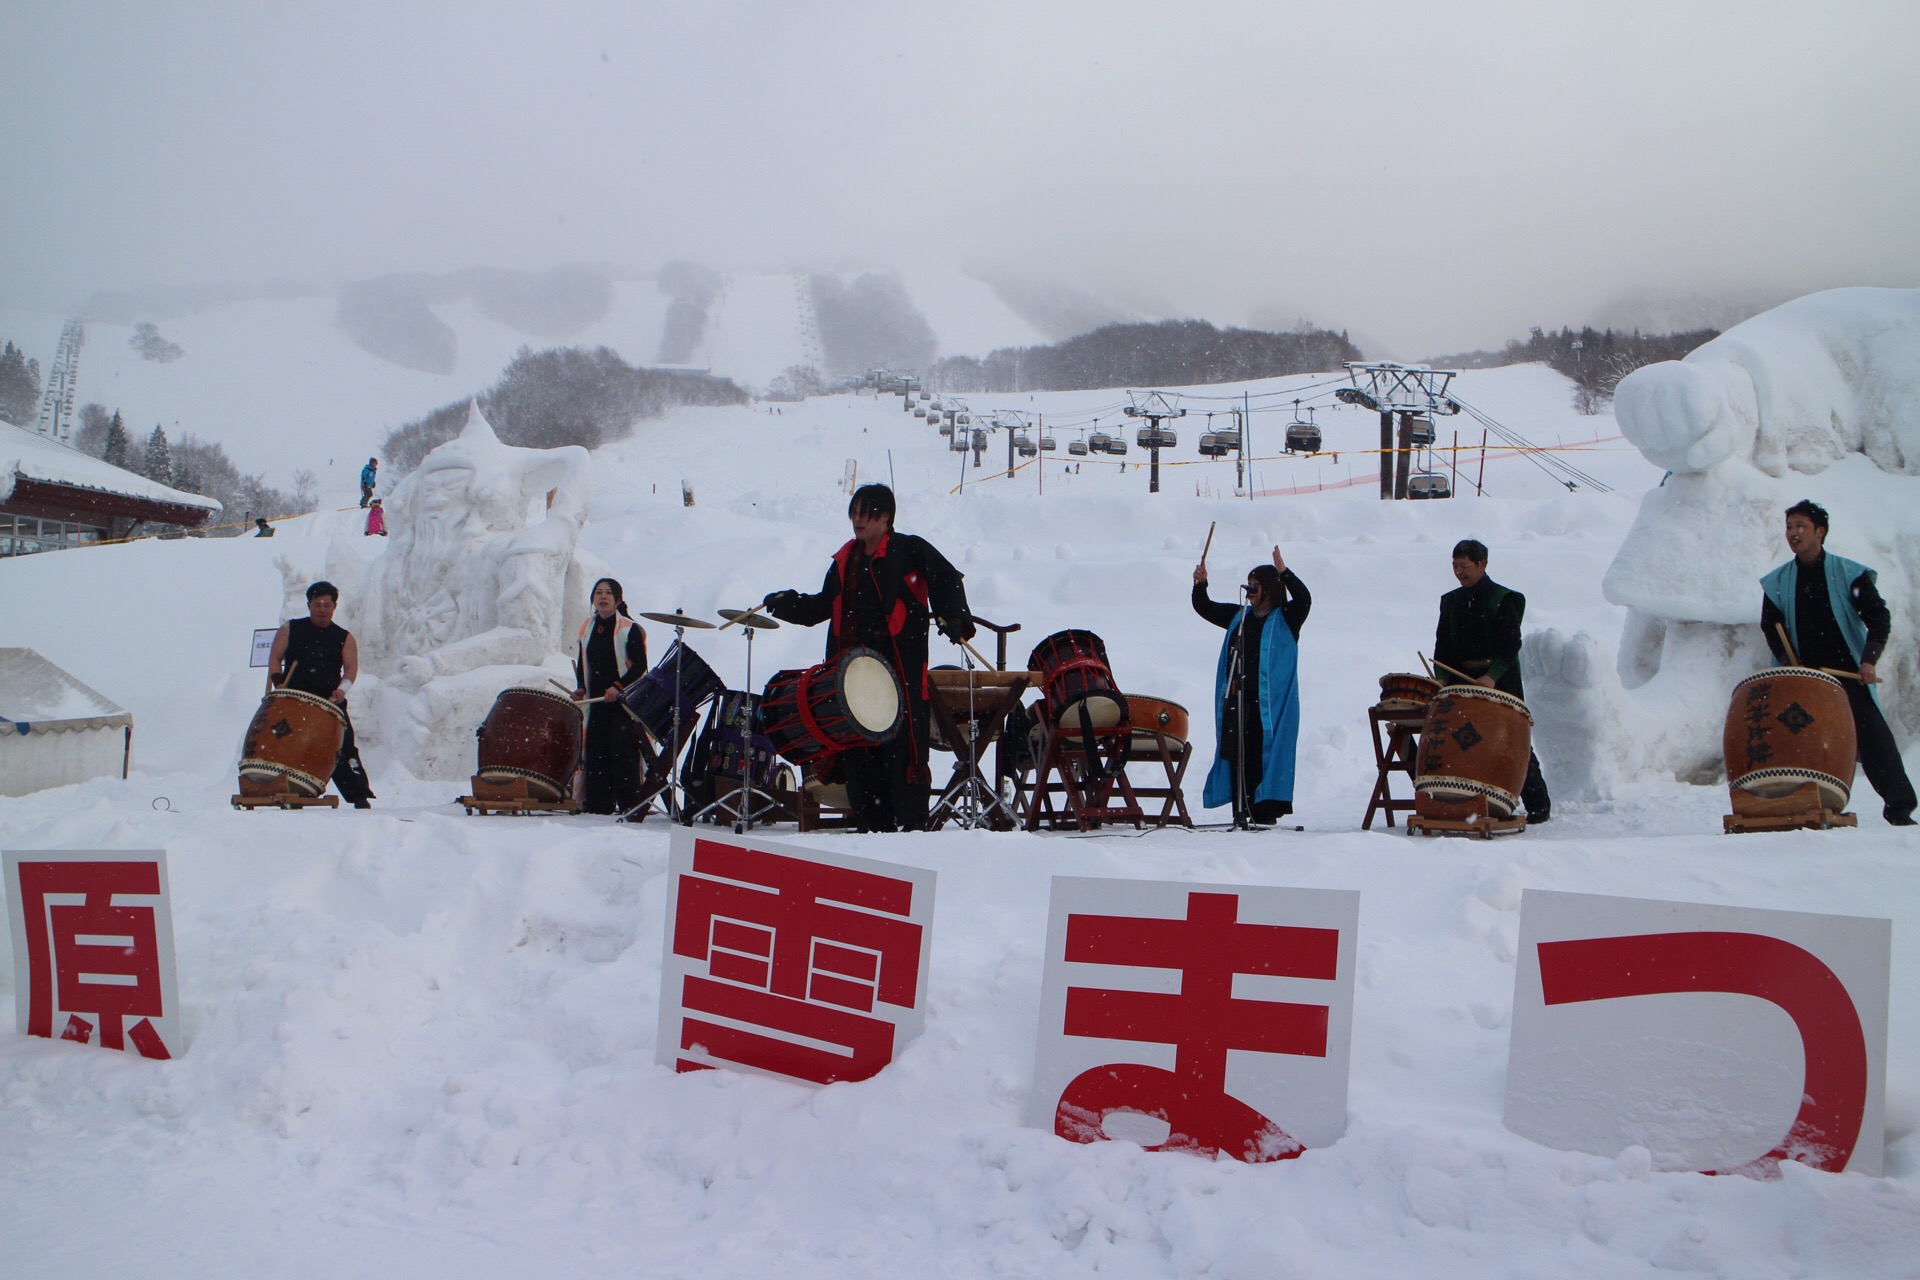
pixel 424 1042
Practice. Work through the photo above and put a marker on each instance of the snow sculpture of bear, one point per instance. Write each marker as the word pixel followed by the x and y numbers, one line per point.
pixel 1818 398
pixel 479 588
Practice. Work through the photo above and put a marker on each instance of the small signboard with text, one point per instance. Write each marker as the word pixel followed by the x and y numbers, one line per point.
pixel 1719 1038
pixel 1205 1018
pixel 788 961
pixel 263 646
pixel 93 947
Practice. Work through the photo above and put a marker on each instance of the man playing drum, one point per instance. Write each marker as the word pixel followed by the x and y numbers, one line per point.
pixel 880 591
pixel 1478 642
pixel 1832 611
pixel 314 656
pixel 1257 734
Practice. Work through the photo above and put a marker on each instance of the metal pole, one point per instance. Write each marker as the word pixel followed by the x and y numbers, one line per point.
pixel 1479 486
pixel 1153 456
pixel 1386 455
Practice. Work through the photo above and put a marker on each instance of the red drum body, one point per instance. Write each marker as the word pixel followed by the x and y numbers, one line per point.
pixel 531 737
pixel 1475 744
pixel 1786 727
pixel 652 697
pixel 1075 677
pixel 853 701
pixel 1156 715
pixel 1404 691
pixel 291 744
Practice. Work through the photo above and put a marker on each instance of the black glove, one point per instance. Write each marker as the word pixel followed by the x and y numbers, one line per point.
pixel 958 628
pixel 778 600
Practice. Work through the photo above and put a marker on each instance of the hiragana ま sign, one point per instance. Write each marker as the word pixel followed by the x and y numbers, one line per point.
pixel 93 947
pixel 790 961
pixel 1719 1038
pixel 1207 1018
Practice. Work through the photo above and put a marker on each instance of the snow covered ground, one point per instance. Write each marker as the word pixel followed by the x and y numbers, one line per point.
pixel 424 1043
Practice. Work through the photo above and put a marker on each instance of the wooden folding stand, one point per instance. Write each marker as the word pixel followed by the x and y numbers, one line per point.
pixel 1089 795
pixel 1396 747
pixel 1798 809
pixel 1152 747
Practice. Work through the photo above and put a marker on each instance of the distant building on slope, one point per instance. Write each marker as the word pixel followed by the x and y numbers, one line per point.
pixel 53 496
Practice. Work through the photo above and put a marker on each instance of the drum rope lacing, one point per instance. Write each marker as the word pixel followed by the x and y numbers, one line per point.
pixel 493 772
pixel 267 769
pixel 1787 773
pixel 1438 782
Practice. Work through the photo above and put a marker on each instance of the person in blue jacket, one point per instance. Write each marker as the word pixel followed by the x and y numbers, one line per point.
pixel 1832 611
pixel 368 475
pixel 1256 692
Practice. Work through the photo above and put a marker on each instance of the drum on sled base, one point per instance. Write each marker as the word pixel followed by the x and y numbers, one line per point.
pixel 529 746
pixel 1474 746
pixel 1787 727
pixel 291 744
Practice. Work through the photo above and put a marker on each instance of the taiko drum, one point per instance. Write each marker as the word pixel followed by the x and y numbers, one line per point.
pixel 531 736
pixel 1475 744
pixel 291 744
pixel 1786 727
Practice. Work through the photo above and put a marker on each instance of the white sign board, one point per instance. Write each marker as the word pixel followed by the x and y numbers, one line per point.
pixel 788 961
pixel 93 947
pixel 1719 1038
pixel 263 646
pixel 1207 1018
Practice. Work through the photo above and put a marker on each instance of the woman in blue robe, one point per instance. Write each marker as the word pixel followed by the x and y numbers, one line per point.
pixel 1255 736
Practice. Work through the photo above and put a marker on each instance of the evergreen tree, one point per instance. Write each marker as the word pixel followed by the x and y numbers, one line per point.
pixel 117 442
pixel 91 435
pixel 158 462
pixel 19 387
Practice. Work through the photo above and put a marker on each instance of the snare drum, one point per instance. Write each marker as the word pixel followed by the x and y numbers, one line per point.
pixel 1786 727
pixel 530 736
pixel 1075 680
pixel 852 701
pixel 1476 743
pixel 651 697
pixel 291 745
pixel 1405 691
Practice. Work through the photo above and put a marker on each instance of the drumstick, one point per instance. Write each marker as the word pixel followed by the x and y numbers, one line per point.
pixel 1424 663
pixel 1781 629
pixel 1849 675
pixel 562 688
pixel 741 617
pixel 977 655
pixel 1453 672
pixel 1203 550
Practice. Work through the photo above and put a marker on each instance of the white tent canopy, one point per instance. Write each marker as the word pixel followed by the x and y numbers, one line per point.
pixel 55 731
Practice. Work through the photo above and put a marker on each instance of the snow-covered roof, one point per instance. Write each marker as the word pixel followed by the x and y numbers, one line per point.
pixel 30 454
pixel 38 697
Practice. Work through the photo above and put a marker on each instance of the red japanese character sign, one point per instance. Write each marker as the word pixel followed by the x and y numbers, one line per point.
pixel 93 947
pixel 1191 1017
pixel 1721 1039
pixel 789 961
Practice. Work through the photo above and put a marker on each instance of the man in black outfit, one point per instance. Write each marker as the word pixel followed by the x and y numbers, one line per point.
pixel 880 591
pixel 314 656
pixel 1479 637
pixel 1832 611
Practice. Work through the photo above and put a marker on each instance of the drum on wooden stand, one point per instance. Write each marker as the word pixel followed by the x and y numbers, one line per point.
pixel 1405 691
pixel 529 746
pixel 1155 715
pixel 1788 727
pixel 852 701
pixel 1077 683
pixel 291 744
pixel 652 698
pixel 1474 746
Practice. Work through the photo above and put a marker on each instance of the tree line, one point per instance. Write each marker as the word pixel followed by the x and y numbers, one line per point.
pixel 1163 353
pixel 1593 359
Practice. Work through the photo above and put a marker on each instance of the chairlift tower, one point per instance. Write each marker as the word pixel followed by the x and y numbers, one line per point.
pixel 1406 391
pixel 56 403
pixel 1013 422
pixel 1155 408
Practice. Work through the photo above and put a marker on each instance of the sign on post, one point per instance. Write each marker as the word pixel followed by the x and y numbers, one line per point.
pixel 1206 1018
pixel 93 947
pixel 263 646
pixel 792 962
pixel 1721 1039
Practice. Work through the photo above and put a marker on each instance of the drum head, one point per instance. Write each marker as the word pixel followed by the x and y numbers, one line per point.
pixel 872 694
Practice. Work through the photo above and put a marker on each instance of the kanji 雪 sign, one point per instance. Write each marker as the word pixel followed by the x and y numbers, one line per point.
pixel 1719 1038
pixel 1208 1018
pixel 93 947
pixel 790 961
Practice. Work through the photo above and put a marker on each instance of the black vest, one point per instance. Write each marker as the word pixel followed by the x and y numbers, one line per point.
pixel 319 654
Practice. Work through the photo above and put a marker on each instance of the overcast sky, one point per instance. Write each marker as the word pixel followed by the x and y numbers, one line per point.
pixel 1432 176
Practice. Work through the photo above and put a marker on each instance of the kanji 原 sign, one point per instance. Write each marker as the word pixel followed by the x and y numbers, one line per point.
pixel 790 961
pixel 1719 1038
pixel 93 947
pixel 1205 1018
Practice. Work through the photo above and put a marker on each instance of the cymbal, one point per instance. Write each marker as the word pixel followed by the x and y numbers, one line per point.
pixel 748 618
pixel 678 620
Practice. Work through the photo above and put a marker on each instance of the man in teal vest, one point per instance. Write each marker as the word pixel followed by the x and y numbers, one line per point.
pixel 1833 614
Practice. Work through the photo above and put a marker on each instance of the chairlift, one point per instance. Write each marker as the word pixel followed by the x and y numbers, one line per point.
pixel 1429 484
pixel 919 412
pixel 1421 430
pixel 1100 442
pixel 936 405
pixel 979 439
pixel 1156 438
pixel 964 419
pixel 946 428
pixel 1023 444
pixel 1117 447
pixel 1213 445
pixel 1046 443
pixel 926 395
pixel 1078 448
pixel 1303 437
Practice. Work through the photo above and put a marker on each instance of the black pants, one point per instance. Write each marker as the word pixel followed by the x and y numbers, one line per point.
pixel 1879 753
pixel 1254 758
pixel 349 775
pixel 612 761
pixel 888 785
pixel 1533 792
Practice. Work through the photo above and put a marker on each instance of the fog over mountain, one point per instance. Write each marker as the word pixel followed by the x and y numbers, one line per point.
pixel 1430 178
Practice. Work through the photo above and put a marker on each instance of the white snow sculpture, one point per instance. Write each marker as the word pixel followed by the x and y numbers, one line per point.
pixel 1818 398
pixel 479 588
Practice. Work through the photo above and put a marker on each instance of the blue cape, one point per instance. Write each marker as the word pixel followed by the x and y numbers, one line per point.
pixel 1279 704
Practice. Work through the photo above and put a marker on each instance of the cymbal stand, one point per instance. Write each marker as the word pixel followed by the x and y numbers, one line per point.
pixel 751 802
pixel 673 794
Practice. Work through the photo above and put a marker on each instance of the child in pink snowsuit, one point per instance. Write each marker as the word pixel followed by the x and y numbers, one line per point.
pixel 376 520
